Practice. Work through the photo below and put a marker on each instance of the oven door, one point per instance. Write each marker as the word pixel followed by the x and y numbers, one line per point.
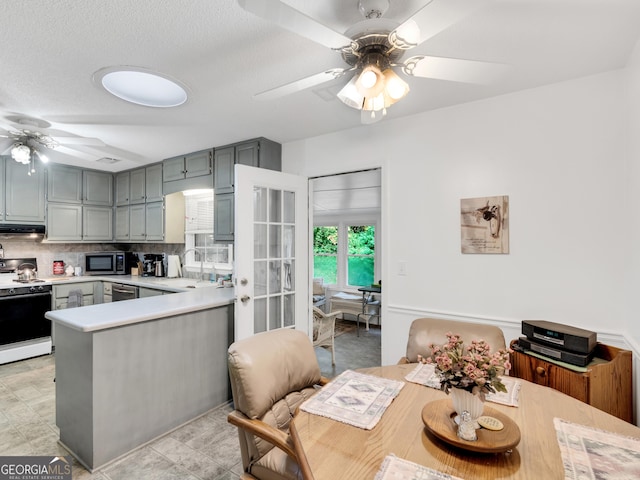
pixel 23 318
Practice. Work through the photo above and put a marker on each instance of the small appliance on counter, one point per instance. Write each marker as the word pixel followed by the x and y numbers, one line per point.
pixel 105 263
pixel 154 265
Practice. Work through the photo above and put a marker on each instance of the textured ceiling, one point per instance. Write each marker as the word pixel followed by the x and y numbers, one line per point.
pixel 50 50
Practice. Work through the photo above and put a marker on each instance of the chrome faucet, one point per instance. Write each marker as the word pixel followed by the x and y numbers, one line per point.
pixel 184 259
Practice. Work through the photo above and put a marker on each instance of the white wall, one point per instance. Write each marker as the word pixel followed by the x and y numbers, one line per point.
pixel 560 152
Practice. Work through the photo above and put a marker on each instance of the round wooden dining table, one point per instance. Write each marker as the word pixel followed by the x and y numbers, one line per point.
pixel 335 450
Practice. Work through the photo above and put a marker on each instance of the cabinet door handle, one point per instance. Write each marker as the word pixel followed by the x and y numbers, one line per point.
pixel 541 371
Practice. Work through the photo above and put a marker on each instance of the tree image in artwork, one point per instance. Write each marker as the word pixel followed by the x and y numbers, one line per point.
pixel 484 224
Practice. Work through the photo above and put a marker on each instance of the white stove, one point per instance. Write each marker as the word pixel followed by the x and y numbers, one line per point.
pixel 24 330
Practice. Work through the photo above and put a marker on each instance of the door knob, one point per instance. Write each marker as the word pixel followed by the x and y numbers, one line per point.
pixel 245 298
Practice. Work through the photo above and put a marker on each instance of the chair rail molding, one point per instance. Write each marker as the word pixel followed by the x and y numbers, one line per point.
pixel 401 316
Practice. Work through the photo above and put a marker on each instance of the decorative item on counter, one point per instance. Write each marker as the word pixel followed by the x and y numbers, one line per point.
pixel 58 267
pixel 134 272
pixel 468 371
pixel 467 429
pixel 69 271
pixel 78 271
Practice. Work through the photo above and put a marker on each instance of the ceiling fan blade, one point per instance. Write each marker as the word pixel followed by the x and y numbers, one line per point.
pixel 295 21
pixel 454 69
pixel 301 84
pixel 435 17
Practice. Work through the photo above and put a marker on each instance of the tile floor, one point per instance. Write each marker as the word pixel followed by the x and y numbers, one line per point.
pixel 204 449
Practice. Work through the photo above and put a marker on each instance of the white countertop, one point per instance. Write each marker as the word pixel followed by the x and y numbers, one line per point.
pixel 116 314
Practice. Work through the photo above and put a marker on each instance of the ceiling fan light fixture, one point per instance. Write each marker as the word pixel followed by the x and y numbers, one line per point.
pixel 350 95
pixel 21 153
pixel 141 86
pixel 395 87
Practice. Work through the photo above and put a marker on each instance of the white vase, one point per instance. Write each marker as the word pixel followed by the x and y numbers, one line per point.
pixel 465 400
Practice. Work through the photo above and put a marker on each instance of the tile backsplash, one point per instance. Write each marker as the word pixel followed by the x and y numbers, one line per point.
pixel 73 253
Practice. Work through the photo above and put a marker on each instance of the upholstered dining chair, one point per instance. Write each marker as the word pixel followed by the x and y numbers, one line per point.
pixel 424 331
pixel 271 374
pixel 324 330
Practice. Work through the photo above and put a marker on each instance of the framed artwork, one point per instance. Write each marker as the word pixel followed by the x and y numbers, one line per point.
pixel 484 224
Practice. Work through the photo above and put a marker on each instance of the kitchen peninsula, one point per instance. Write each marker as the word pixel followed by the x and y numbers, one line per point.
pixel 128 372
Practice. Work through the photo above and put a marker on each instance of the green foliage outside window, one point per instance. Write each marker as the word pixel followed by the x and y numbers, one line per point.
pixel 360 254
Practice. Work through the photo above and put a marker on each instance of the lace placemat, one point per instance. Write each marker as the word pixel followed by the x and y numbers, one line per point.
pixel 424 374
pixel 395 468
pixel 590 453
pixel 354 398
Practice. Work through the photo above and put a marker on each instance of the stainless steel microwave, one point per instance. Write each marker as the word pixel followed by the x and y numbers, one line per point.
pixel 105 263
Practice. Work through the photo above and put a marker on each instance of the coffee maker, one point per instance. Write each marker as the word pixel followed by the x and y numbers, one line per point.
pixel 154 265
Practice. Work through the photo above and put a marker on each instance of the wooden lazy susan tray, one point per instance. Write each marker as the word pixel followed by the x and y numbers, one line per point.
pixel 438 417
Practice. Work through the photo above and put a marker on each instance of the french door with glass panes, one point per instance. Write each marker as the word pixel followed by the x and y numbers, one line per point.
pixel 272 251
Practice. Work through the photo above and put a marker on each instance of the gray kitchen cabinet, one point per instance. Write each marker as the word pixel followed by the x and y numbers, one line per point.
pixel 154 221
pixel 97 223
pixel 144 292
pixel 64 184
pixel 122 188
pixel 194 164
pixel 61 293
pixel 223 217
pixel 186 172
pixel 64 222
pixel 122 224
pixel 153 183
pixel 107 292
pixel 97 188
pixel 24 194
pixel 137 186
pixel 259 152
pixel 137 226
pixel 224 159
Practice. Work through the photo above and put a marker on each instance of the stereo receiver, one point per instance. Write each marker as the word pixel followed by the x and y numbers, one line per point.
pixel 579 359
pixel 560 336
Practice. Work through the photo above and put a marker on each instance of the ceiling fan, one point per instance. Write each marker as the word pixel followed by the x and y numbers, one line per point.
pixel 25 144
pixel 374 49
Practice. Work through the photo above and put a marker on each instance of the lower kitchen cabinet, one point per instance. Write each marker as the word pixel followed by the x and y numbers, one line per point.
pixel 144 292
pixel 61 294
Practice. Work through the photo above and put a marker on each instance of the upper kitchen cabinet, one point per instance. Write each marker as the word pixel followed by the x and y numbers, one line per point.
pixel 23 195
pixel 97 188
pixel 80 205
pixel 137 186
pixel 259 152
pixel 122 181
pixel 153 183
pixel 64 184
pixel 187 172
pixel 76 185
pixel 141 185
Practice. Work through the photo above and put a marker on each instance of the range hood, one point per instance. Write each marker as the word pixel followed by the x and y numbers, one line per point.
pixel 13 230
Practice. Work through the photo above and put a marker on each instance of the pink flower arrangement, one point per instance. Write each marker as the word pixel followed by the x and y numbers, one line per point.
pixel 472 367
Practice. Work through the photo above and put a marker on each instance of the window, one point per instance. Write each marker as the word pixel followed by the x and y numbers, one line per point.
pixel 361 255
pixel 344 254
pixel 198 229
pixel 325 254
